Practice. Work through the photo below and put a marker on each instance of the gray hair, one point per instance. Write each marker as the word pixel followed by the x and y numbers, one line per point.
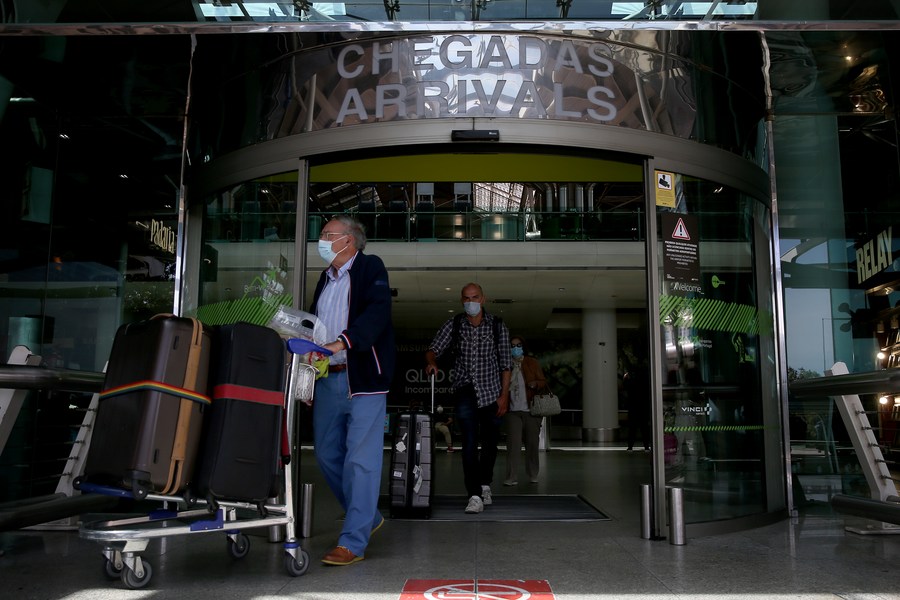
pixel 356 229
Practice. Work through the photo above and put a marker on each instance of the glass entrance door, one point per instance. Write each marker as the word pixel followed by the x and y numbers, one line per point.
pixel 718 408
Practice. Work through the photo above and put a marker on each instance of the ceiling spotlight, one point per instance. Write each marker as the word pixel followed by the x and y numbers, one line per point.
pixel 883 400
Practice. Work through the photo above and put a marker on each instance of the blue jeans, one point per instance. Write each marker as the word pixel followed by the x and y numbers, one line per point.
pixel 477 425
pixel 349 445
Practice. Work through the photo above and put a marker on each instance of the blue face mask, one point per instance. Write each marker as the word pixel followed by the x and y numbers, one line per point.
pixel 472 308
pixel 325 251
pixel 518 352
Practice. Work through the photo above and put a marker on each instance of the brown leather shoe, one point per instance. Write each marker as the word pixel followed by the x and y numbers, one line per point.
pixel 340 557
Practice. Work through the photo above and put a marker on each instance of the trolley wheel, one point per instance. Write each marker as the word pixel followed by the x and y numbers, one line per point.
pixel 140 489
pixel 239 547
pixel 132 581
pixel 294 568
pixel 110 571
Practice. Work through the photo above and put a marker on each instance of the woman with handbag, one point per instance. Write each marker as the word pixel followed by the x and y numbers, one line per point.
pixel 526 379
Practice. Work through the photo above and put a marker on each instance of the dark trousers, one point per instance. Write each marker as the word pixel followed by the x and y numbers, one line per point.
pixel 638 419
pixel 477 425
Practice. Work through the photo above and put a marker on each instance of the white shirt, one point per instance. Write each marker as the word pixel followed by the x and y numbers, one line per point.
pixel 333 307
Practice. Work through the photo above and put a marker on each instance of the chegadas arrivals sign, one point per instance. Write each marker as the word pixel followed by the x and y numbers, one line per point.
pixel 480 75
pixel 464 76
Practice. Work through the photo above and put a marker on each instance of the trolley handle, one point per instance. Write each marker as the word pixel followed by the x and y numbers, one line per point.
pixel 304 346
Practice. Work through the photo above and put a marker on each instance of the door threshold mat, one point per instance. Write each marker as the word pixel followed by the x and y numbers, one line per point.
pixel 509 508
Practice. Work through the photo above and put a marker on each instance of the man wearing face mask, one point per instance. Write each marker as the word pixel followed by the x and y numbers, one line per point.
pixel 479 342
pixel 353 301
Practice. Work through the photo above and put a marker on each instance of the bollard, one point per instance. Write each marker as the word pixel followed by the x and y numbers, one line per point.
pixel 544 435
pixel 306 510
pixel 676 516
pixel 646 511
pixel 276 532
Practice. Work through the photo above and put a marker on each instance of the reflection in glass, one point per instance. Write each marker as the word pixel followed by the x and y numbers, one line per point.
pixel 715 350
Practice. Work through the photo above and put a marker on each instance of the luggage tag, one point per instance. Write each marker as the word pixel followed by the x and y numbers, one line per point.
pixel 417 473
pixel 401 444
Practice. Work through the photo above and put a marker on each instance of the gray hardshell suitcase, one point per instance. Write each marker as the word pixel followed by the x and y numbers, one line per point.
pixel 412 466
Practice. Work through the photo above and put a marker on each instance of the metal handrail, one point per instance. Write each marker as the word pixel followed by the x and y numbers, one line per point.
pixel 27 377
pixel 885 381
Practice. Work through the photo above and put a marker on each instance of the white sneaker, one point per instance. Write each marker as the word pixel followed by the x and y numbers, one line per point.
pixel 475 505
pixel 486 495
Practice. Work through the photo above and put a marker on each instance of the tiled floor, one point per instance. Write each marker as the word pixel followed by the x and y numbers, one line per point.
pixel 808 557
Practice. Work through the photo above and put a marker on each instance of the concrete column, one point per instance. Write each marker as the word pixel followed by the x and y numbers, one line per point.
pixel 599 396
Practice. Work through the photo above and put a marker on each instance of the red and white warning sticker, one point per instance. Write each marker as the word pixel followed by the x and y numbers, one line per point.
pixel 482 589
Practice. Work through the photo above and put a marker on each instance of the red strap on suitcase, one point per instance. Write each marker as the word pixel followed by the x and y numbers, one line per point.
pixel 249 394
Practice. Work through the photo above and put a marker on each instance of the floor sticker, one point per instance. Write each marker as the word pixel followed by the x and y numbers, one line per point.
pixel 482 589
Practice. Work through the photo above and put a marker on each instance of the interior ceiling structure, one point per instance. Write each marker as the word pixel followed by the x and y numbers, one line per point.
pixel 537 303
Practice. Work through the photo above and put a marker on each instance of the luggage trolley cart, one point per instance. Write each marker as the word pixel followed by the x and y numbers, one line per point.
pixel 124 539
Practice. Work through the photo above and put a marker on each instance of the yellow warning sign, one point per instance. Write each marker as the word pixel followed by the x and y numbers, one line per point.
pixel 665 189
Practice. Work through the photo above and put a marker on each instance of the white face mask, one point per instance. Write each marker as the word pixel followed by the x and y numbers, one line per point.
pixel 325 251
pixel 472 308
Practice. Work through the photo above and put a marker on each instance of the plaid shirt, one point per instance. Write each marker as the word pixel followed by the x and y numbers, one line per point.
pixel 478 362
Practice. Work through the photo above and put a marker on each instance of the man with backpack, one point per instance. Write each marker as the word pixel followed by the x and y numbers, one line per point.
pixel 479 343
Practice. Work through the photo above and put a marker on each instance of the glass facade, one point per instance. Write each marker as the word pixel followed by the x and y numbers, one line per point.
pixel 718 351
pixel 105 138
pixel 672 83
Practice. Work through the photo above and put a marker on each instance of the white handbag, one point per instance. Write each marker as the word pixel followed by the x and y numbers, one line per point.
pixel 545 404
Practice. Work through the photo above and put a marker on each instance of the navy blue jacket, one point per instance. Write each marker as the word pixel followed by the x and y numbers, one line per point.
pixel 371 351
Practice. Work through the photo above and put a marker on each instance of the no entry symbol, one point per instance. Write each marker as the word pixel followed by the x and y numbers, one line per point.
pixel 468 589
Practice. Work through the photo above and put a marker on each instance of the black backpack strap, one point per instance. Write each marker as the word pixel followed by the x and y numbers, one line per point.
pixel 454 335
pixel 457 326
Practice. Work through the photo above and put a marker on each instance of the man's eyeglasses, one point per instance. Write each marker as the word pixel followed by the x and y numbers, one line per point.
pixel 326 234
pixel 516 345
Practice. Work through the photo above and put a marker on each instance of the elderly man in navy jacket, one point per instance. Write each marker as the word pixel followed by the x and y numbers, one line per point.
pixel 353 300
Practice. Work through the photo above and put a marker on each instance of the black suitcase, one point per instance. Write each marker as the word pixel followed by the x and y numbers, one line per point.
pixel 412 467
pixel 149 419
pixel 241 441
